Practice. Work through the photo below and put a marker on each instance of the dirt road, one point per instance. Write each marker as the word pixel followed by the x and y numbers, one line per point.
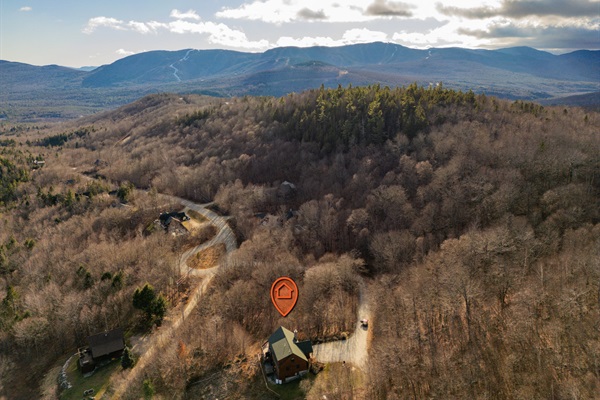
pixel 224 235
pixel 354 349
pixel 163 337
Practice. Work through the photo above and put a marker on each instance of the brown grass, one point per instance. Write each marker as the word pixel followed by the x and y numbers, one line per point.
pixel 207 258
pixel 196 215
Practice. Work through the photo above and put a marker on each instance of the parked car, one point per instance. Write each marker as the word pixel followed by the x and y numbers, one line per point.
pixel 364 323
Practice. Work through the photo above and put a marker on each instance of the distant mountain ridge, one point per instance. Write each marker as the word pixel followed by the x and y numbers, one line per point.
pixel 515 73
pixel 161 66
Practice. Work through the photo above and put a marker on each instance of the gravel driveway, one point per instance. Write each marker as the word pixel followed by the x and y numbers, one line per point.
pixel 354 349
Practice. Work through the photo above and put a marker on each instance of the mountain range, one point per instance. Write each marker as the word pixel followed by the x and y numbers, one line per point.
pixel 514 73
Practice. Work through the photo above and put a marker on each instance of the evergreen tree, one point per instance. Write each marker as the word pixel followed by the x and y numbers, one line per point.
pixel 143 299
pixel 117 280
pixel 88 280
pixel 148 389
pixel 127 359
pixel 125 192
pixel 154 306
pixel 159 309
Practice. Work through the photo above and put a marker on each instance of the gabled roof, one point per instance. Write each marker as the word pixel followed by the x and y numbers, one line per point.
pixel 283 345
pixel 305 346
pixel 105 343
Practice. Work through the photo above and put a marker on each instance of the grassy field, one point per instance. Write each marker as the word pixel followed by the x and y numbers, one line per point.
pixel 337 380
pixel 295 390
pixel 196 215
pixel 98 381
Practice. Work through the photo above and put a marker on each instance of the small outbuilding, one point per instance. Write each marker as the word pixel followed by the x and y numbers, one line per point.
pixel 288 357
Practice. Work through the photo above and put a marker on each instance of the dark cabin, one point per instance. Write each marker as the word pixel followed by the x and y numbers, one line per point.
pixel 102 346
pixel 288 356
pixel 287 191
pixel 167 217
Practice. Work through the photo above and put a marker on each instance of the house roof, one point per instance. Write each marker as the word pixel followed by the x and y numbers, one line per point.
pixel 166 217
pixel 305 346
pixel 105 343
pixel 283 345
pixel 288 184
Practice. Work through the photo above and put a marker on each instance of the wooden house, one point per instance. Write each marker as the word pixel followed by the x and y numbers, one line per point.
pixel 288 356
pixel 102 346
pixel 173 222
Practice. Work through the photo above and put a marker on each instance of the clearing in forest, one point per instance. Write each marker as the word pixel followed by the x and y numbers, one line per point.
pixel 207 258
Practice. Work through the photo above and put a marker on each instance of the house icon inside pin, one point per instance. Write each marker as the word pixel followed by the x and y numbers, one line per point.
pixel 284 291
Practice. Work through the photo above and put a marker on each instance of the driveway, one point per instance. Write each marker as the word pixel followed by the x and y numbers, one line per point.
pixel 159 340
pixel 354 349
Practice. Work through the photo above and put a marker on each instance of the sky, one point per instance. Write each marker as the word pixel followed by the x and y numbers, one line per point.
pixel 79 33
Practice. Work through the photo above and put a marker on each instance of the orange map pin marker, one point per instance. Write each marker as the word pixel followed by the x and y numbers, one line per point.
pixel 284 294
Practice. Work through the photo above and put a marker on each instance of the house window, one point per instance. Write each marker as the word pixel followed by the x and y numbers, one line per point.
pixel 297 366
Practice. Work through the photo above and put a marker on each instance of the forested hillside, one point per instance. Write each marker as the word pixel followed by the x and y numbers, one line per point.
pixel 474 222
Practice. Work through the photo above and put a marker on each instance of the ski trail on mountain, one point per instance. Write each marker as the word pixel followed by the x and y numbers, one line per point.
pixel 175 69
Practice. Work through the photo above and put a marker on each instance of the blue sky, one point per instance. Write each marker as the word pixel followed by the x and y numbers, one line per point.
pixel 85 32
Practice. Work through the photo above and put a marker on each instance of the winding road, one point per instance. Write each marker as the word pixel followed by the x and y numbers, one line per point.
pixel 159 340
pixel 224 235
pixel 352 350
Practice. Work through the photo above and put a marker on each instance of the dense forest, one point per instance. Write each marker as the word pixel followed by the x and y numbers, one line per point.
pixel 472 220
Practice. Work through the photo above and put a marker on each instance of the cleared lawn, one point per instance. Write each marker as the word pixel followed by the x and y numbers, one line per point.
pixel 196 215
pixel 98 381
pixel 337 380
pixel 207 258
pixel 294 390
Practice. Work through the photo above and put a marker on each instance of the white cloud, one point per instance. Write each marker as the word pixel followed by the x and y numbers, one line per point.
pixel 566 34
pixel 349 37
pixel 139 27
pixel 363 36
pixel 25 9
pixel 103 22
pixel 273 11
pixel 444 36
pixel 288 41
pixel 155 25
pixel 331 18
pixel 283 11
pixel 123 52
pixel 189 14
pixel 116 24
pixel 218 33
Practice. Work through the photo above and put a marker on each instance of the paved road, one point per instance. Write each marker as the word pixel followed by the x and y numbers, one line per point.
pixel 354 349
pixel 163 337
